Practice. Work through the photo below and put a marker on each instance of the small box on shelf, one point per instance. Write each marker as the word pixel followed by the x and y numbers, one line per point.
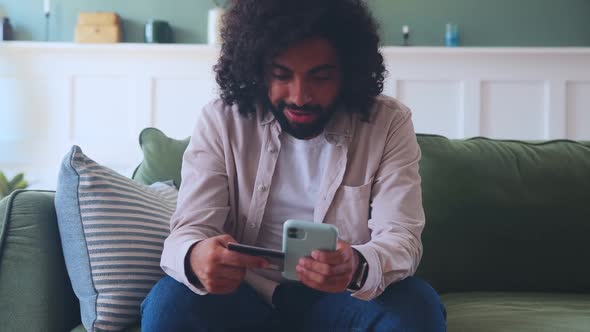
pixel 98 28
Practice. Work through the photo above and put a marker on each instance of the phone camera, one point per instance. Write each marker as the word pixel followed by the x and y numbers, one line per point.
pixel 292 233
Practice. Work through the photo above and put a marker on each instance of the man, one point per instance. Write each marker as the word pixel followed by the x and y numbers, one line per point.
pixel 300 132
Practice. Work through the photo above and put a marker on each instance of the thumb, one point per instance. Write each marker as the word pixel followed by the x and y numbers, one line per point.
pixel 223 240
pixel 342 245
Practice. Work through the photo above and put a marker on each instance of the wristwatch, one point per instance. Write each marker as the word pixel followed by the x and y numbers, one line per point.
pixel 360 275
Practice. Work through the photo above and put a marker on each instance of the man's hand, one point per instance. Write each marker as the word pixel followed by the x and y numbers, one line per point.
pixel 329 271
pixel 220 270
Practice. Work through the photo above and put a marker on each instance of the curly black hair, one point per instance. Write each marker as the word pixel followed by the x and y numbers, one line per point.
pixel 256 31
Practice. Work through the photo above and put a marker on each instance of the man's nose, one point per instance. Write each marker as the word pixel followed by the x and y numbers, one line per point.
pixel 300 94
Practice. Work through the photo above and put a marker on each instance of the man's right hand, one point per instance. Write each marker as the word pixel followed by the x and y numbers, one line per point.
pixel 220 270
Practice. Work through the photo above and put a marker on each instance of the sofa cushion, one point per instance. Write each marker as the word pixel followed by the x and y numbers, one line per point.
pixel 505 215
pixel 112 231
pixel 35 293
pixel 162 156
pixel 523 312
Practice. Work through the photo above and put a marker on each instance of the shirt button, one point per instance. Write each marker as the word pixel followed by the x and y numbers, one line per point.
pixel 262 187
pixel 252 225
pixel 272 149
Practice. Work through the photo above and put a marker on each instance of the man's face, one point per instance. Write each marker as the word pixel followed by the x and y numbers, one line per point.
pixel 304 83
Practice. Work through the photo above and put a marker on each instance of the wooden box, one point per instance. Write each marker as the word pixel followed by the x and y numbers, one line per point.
pixel 98 34
pixel 98 28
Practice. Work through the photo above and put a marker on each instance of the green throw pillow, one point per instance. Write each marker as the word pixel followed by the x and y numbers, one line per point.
pixel 162 157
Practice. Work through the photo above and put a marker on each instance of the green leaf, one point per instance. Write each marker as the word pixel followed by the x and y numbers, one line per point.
pixel 21 185
pixel 17 179
pixel 4 190
pixel 7 187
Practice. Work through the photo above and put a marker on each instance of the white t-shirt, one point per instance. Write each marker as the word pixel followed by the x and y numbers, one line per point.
pixel 293 191
pixel 295 186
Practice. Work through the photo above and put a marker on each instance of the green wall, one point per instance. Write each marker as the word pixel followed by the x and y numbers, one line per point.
pixel 482 23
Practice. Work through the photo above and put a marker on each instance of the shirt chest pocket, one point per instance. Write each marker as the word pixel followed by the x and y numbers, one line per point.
pixel 349 212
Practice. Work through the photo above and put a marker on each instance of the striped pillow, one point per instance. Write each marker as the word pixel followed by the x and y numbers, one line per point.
pixel 112 231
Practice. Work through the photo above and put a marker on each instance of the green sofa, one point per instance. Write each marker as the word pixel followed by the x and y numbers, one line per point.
pixel 505 244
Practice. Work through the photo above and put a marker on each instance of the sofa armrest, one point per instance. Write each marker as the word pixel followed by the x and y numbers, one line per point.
pixel 35 291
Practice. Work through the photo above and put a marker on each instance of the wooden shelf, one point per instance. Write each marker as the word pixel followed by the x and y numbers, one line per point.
pixel 127 47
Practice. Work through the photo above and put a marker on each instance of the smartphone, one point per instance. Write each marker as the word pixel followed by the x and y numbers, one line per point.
pixel 275 258
pixel 300 238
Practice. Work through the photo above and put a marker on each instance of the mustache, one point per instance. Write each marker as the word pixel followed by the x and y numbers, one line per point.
pixel 305 108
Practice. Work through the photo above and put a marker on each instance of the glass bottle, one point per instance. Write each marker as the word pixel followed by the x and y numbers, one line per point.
pixel 452 35
pixel 6 29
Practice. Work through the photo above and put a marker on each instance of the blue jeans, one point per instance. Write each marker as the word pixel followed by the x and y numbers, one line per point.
pixel 409 305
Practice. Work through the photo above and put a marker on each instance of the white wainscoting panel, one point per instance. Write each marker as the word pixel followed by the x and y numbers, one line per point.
pixel 578 110
pixel 102 109
pixel 436 105
pixel 53 95
pixel 103 114
pixel 513 110
pixel 177 102
pixel 40 104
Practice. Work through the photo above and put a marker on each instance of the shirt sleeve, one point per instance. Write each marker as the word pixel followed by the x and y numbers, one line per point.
pixel 203 198
pixel 397 215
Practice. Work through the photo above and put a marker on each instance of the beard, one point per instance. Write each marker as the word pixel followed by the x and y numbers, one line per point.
pixel 302 130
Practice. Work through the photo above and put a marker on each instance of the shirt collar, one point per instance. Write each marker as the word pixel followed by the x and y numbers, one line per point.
pixel 267 117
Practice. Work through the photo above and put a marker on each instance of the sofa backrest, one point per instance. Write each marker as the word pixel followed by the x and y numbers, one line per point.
pixel 500 215
pixel 505 215
pixel 35 291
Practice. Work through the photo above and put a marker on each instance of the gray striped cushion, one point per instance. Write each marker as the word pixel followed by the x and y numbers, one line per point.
pixel 112 231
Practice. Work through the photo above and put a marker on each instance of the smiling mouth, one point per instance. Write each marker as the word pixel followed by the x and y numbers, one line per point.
pixel 299 111
pixel 299 116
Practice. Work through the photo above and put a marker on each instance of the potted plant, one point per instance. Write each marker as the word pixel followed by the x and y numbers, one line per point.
pixel 214 22
pixel 8 186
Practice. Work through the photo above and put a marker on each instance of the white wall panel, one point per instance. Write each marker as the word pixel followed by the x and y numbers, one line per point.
pixel 30 108
pixel 513 110
pixel 177 103
pixel 102 115
pixel 101 108
pixel 436 105
pixel 578 110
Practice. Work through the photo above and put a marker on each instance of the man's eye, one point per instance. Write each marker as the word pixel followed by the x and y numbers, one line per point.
pixel 322 78
pixel 280 77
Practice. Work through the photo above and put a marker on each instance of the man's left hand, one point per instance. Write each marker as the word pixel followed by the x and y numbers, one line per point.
pixel 329 271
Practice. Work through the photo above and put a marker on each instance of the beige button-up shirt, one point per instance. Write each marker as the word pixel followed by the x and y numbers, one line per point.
pixel 371 189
